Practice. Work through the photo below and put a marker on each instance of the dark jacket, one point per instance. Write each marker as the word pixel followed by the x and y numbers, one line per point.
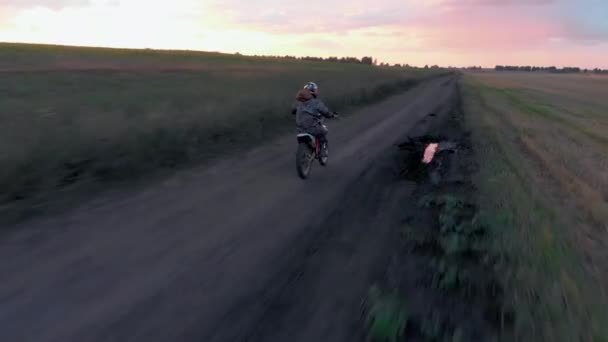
pixel 309 110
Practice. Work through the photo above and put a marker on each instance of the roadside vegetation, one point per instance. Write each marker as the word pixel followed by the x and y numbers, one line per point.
pixel 443 272
pixel 541 144
pixel 75 115
pixel 505 238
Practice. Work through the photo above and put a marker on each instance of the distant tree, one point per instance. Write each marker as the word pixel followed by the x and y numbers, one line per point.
pixel 426 66
pixel 367 60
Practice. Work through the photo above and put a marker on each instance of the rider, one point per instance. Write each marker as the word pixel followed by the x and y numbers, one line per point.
pixel 309 112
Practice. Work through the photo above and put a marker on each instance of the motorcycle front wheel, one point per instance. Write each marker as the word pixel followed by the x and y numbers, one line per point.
pixel 304 158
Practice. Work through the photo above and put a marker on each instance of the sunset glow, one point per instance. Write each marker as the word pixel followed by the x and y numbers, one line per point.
pixel 444 32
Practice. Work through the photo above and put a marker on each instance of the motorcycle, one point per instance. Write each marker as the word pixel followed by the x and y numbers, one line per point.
pixel 309 149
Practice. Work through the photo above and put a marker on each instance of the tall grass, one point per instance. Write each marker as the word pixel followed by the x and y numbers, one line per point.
pixel 72 114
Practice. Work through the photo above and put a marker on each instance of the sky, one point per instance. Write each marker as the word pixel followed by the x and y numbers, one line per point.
pixel 416 32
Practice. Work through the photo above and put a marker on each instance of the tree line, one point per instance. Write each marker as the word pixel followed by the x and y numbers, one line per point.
pixel 552 69
pixel 368 60
pixel 353 60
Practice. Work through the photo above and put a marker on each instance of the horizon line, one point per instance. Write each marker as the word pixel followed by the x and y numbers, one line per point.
pixel 275 56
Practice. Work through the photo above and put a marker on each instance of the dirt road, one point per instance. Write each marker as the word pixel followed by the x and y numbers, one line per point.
pixel 240 251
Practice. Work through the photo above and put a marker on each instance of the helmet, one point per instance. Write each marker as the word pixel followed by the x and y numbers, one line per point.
pixel 312 87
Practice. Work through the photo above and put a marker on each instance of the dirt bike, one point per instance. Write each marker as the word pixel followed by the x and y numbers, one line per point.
pixel 309 149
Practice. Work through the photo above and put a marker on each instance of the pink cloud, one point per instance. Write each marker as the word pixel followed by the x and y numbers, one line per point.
pixel 465 28
pixel 316 16
pixel 6 16
pixel 459 3
pixel 477 28
pixel 322 43
pixel 452 24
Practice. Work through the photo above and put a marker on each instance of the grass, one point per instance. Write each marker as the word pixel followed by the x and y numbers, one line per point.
pixel 462 261
pixel 542 190
pixel 386 316
pixel 73 115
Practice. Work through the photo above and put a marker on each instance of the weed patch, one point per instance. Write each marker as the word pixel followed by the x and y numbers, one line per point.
pixel 386 315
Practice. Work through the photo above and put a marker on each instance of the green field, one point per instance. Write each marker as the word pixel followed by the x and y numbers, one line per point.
pixel 542 146
pixel 69 114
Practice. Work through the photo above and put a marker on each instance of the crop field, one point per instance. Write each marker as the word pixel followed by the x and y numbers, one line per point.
pixel 69 115
pixel 541 141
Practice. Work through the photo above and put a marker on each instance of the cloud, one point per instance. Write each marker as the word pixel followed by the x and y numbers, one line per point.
pixel 501 19
pixel 583 34
pixel 472 28
pixel 315 16
pixel 52 4
pixel 586 24
pixel 462 3
pixel 322 44
pixel 453 26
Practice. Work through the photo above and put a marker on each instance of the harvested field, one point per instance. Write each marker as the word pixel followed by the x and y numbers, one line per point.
pixel 542 146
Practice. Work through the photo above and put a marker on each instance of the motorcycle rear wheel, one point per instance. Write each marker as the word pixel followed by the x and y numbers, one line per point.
pixel 304 158
pixel 324 154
